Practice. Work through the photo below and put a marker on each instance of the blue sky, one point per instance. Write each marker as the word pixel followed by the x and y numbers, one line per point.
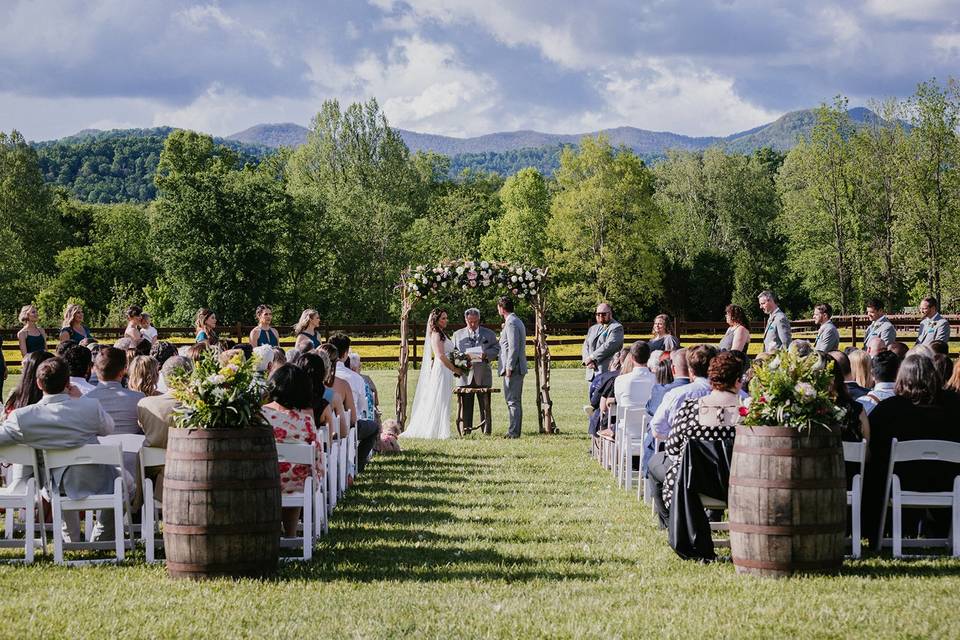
pixel 460 67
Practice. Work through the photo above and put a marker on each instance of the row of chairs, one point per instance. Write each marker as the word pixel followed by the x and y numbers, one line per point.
pixel 317 500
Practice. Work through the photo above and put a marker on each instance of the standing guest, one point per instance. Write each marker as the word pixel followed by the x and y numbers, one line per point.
pixel 264 333
pixel 80 364
pixel 134 319
pixel 604 339
pixel 860 368
pixel 874 346
pixel 73 327
pixel 27 392
pixel 843 365
pixel 828 337
pixel 513 361
pixel 147 330
pixel 481 344
pixel 933 326
pixel 663 338
pixel 920 410
pixel 32 337
pixel 698 363
pixel 289 414
pixel 144 374
pixel 306 327
pixel 206 325
pixel 737 337
pixel 880 325
pixel 120 403
pixel 776 335
pixel 884 367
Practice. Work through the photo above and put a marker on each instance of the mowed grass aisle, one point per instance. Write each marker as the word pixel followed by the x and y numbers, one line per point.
pixel 488 538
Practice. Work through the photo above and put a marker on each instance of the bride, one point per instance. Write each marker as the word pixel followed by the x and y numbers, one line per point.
pixel 430 417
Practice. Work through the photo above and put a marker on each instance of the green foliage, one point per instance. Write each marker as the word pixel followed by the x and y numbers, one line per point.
pixel 792 391
pixel 220 397
pixel 520 234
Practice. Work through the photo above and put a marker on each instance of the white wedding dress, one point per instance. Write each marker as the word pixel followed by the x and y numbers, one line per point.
pixel 430 417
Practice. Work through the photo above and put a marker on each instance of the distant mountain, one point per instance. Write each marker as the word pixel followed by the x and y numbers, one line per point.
pixel 286 134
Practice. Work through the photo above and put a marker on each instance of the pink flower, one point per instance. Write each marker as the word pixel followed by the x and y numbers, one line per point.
pixel 279 434
pixel 285 467
pixel 743 411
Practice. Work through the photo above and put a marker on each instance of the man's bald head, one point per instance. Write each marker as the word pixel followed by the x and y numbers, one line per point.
pixel 875 346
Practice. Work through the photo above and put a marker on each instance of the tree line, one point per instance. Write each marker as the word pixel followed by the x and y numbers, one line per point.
pixel 850 213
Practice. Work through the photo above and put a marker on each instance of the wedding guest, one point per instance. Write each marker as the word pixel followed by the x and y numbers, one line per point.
pixel 120 403
pixel 144 375
pixel 602 394
pixel 860 368
pixel 373 397
pixel 155 415
pixel 875 345
pixel 80 364
pixel 603 341
pixel 389 442
pixel 147 330
pixel 943 365
pixel 828 337
pixel 31 337
pixel 737 337
pixel 134 319
pixel 884 368
pixel 3 369
pixel 680 377
pixel 776 335
pixel 802 348
pixel 206 325
pixel 368 430
pixel 880 325
pixel 324 403
pixel 197 351
pixel 634 387
pixel 143 347
pixel 663 338
pixel 664 372
pixel 843 367
pixel 65 346
pixel 306 327
pixel 264 333
pixel 939 346
pixel 289 414
pixel 854 425
pixel 653 362
pixel 161 351
pixel 900 349
pixel 27 392
pixel 920 410
pixel 73 327
pixel 698 362
pixel 278 357
pixel 933 326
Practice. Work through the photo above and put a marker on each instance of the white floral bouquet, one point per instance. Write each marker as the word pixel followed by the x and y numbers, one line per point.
pixel 460 360
pixel 220 397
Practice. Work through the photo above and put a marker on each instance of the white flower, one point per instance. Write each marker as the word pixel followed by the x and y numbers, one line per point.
pixel 439 278
pixel 513 278
pixel 533 289
pixel 484 264
pixel 528 275
pixel 464 287
pixel 469 264
pixel 806 391
pixel 459 271
pixel 519 270
pixel 219 393
pixel 216 379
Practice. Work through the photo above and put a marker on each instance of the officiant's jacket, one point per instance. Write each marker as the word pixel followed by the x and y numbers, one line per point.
pixel 480 374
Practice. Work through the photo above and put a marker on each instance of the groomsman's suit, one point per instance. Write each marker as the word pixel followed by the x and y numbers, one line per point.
pixel 828 337
pixel 777 334
pixel 513 356
pixel 603 341
pixel 479 374
pixel 933 329
pixel 881 328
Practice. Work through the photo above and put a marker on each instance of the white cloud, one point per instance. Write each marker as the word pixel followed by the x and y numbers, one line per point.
pixel 910 9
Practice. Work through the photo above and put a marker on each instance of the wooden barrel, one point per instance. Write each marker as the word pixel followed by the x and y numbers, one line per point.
pixel 787 501
pixel 221 503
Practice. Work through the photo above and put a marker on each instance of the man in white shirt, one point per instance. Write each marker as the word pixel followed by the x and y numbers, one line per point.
pixel 357 386
pixel 633 388
pixel 80 362
pixel 885 366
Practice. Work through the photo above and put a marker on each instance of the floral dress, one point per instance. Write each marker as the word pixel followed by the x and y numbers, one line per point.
pixel 686 427
pixel 292 426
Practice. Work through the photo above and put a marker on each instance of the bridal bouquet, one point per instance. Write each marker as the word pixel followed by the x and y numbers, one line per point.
pixel 460 360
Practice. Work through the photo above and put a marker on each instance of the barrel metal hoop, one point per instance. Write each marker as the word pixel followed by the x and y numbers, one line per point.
pixel 221 529
pixel 790 529
pixel 787 566
pixel 226 567
pixel 221 455
pixel 787 451
pixel 779 483
pixel 193 485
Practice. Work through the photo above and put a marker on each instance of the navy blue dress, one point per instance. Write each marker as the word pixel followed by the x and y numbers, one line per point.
pixel 313 338
pixel 78 336
pixel 268 337
pixel 36 343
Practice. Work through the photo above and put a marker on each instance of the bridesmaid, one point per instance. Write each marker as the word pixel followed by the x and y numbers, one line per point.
pixel 264 333
pixel 663 338
pixel 73 328
pixel 134 319
pixel 206 325
pixel 737 337
pixel 307 327
pixel 32 338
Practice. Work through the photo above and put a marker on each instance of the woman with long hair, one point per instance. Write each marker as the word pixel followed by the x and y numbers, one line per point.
pixel 73 327
pixel 31 336
pixel 134 318
pixel 663 338
pixel 737 337
pixel 27 392
pixel 264 333
pixel 307 327
pixel 861 367
pixel 206 325
pixel 143 375
pixel 430 417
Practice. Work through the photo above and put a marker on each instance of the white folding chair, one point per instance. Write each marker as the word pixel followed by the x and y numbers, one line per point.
pixel 117 501
pixel 630 429
pixel 130 444
pixel 333 466
pixel 306 454
pixel 22 497
pixel 855 452
pixel 723 525
pixel 150 457
pixel 928 451
pixel 321 516
pixel 343 462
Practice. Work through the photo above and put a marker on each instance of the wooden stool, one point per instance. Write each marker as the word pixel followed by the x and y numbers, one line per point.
pixel 460 392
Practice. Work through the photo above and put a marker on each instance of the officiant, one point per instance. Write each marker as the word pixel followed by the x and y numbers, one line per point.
pixel 480 344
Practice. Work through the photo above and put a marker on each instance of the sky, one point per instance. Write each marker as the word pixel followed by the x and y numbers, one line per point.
pixel 460 67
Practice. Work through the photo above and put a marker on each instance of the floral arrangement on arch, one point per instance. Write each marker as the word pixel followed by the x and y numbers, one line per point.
pixel 792 391
pixel 220 397
pixel 521 281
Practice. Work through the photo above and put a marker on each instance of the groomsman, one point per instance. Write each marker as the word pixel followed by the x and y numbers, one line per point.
pixel 880 325
pixel 828 338
pixel 933 327
pixel 603 341
pixel 777 334
pixel 513 362
pixel 473 337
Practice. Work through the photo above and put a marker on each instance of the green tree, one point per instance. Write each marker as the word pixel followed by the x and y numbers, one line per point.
pixel 520 234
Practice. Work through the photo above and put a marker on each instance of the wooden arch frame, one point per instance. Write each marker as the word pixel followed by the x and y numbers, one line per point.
pixel 528 283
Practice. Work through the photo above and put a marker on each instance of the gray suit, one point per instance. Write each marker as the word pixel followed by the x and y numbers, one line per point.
pixel 933 329
pixel 777 334
pixel 828 338
pixel 513 356
pixel 880 328
pixel 603 341
pixel 480 373
pixel 121 405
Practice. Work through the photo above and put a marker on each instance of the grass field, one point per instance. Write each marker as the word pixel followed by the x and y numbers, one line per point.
pixel 488 538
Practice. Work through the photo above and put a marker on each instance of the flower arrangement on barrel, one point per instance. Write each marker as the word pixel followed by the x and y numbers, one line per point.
pixel 216 396
pixel 521 281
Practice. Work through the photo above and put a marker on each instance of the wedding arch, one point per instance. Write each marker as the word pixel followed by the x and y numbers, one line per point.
pixel 523 282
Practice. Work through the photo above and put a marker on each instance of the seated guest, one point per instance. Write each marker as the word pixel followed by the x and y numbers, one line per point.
pixel 206 326
pixel 120 403
pixel 875 345
pixel 939 346
pixel 3 368
pixel 155 416
pixel 713 416
pixel 633 387
pixel 801 347
pixel 161 351
pixel 653 361
pixel 134 318
pixel 698 362
pixel 264 356
pixel 27 391
pixel 142 348
pixel 884 368
pixel 80 363
pixel 336 391
pixel 58 421
pixel 73 328
pixel 306 327
pixel 323 402
pixel 31 337
pixel 288 413
pixel 368 430
pixel 854 425
pixel 602 394
pixel 678 360
pixel 920 410
pixel 389 442
pixel 277 358
pixel 737 337
pixel 147 330
pixel 373 398
pixel 663 338
pixel 66 345
pixel 943 365
pixel 196 351
pixel 843 363
pixel 95 348
pixel 264 333
pixel 860 366
pixel 144 374
pixel 900 349
pixel 953 384
pixel 664 372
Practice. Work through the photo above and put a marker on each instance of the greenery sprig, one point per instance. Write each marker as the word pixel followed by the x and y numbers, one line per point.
pixel 220 397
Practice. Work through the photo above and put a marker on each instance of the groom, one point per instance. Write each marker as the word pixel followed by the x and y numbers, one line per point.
pixel 513 362
pixel 474 337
